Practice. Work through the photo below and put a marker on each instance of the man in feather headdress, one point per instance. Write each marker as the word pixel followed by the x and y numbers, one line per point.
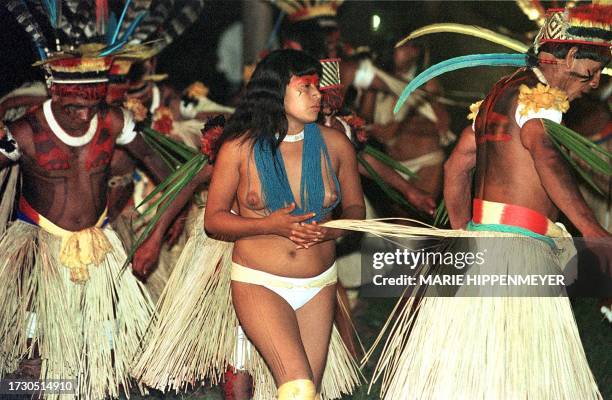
pixel 67 299
pixel 516 341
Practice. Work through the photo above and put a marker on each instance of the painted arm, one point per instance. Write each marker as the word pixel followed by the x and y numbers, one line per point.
pixel 148 252
pixel 458 180
pixel 422 200
pixel 557 179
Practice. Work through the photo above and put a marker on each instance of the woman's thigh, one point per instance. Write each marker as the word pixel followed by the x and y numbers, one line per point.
pixel 315 321
pixel 272 326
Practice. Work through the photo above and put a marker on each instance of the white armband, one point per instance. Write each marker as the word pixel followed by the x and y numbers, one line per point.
pixel 128 133
pixel 364 74
pixel 543 113
pixel 8 145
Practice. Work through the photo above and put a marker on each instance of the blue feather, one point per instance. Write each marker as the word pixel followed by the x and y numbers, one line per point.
pixel 111 49
pixel 118 27
pixel 473 60
pixel 130 30
pixel 124 39
pixel 51 9
pixel 110 28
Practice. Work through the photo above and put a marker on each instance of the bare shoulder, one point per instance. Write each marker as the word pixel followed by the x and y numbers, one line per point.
pixel 233 150
pixel 335 140
pixel 116 119
pixel 21 131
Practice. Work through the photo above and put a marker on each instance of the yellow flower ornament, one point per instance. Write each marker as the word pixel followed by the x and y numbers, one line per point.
pixel 474 110
pixel 542 97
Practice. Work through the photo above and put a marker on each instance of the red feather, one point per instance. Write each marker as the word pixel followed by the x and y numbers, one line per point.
pixel 101 16
pixel 597 13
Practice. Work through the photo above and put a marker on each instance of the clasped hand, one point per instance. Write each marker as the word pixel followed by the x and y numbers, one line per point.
pixel 294 227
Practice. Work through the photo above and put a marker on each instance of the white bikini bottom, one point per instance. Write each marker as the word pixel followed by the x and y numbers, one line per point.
pixel 295 291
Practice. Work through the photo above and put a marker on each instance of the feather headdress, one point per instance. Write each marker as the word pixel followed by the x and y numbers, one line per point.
pixel 589 24
pixel 81 55
pixel 301 10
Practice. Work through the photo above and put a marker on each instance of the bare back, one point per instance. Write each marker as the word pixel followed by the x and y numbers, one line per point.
pixel 505 170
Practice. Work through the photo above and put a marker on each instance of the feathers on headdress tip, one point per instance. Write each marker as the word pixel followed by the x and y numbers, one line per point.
pixel 101 16
pixel 115 32
pixel 111 28
pixel 453 64
pixel 53 9
pixel 24 17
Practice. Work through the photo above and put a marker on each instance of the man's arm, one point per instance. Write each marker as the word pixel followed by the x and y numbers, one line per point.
pixel 558 180
pixel 458 180
pixel 148 252
pixel 422 200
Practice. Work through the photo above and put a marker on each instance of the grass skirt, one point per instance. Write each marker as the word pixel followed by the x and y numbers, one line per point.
pixel 89 332
pixel 489 347
pixel 196 336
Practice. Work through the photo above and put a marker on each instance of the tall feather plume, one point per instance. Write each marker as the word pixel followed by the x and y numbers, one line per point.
pixel 78 23
pixel 101 16
pixel 453 64
pixel 53 11
pixel 117 28
pixel 184 17
pixel 159 12
pixel 470 30
pixel 24 17
pixel 71 5
pixel 132 12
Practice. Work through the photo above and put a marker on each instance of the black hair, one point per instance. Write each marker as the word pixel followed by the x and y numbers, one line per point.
pixel 261 112
pixel 599 54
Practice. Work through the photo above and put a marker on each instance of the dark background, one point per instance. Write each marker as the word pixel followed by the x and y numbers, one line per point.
pixel 193 56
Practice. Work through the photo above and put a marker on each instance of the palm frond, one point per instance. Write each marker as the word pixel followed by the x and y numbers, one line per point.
pixel 171 188
pixel 441 215
pixel 387 190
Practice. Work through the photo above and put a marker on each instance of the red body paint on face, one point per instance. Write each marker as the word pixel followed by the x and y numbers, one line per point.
pixel 305 80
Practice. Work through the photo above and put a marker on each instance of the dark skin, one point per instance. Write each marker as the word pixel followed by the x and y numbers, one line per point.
pixel 422 200
pixel 416 135
pixel 526 170
pixel 73 198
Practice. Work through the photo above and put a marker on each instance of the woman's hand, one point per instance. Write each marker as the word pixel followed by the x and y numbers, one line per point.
pixel 320 234
pixel 282 223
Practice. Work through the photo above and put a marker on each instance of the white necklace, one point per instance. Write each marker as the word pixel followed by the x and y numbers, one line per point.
pixel 74 141
pixel 294 138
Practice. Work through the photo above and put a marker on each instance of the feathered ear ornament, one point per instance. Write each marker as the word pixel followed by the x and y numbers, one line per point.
pixel 474 60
